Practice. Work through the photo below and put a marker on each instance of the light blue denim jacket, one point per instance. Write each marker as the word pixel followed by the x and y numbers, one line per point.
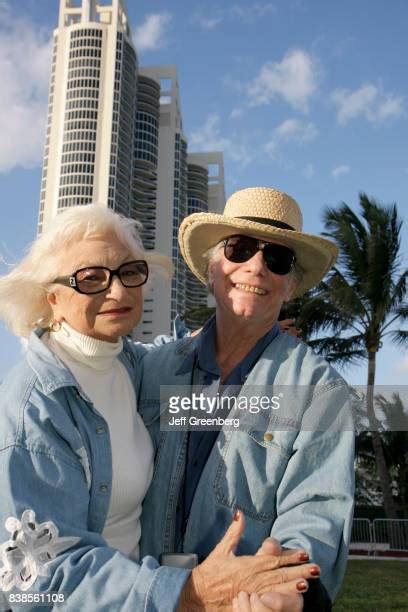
pixel 55 458
pixel 296 483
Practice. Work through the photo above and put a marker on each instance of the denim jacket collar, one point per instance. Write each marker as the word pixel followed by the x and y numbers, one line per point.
pixel 52 373
pixel 193 351
pixel 195 354
pixel 187 350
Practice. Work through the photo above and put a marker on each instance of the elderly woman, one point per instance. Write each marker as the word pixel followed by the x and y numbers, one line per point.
pixel 289 465
pixel 75 457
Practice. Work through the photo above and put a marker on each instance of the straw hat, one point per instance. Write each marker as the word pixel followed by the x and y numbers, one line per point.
pixel 264 212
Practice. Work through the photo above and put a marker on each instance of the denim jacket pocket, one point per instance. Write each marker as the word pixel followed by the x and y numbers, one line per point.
pixel 150 410
pixel 250 469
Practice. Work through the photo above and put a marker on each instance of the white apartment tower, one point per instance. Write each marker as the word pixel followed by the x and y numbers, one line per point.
pixel 206 193
pixel 91 113
pixel 146 158
pixel 165 300
pixel 115 137
pixel 213 163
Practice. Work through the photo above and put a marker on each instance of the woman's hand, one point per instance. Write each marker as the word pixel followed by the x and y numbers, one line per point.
pixel 277 602
pixel 217 581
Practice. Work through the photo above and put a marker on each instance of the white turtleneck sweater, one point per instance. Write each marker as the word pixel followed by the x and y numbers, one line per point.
pixel 105 380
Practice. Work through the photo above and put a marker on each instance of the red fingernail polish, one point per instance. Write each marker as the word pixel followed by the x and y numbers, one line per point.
pixel 304 556
pixel 315 571
pixel 237 514
pixel 301 586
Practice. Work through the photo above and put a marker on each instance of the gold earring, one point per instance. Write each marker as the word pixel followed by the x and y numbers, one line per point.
pixel 55 326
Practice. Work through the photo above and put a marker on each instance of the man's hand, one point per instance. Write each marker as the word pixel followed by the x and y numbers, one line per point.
pixel 277 602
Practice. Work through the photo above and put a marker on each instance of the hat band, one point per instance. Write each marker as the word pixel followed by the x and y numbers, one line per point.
pixel 265 221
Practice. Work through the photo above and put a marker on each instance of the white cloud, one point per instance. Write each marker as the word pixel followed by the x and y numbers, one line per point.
pixel 294 79
pixel 367 101
pixel 151 34
pixel 236 113
pixel 391 107
pixel 351 104
pixel 250 14
pixel 339 171
pixel 208 138
pixel 5 10
pixel 207 23
pixel 296 130
pixel 291 130
pixel 308 171
pixel 271 149
pixel 24 90
pixel 236 12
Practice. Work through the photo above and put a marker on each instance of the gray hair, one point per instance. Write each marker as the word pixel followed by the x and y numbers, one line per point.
pixel 23 291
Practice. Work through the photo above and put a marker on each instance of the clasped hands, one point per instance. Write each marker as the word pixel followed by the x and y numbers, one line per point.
pixel 272 579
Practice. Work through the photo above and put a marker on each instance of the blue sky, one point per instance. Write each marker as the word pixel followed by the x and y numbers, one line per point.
pixel 308 96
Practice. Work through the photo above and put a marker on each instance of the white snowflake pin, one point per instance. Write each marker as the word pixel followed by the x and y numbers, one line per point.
pixel 26 554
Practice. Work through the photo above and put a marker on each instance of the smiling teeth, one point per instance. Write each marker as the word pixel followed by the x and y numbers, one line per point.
pixel 251 289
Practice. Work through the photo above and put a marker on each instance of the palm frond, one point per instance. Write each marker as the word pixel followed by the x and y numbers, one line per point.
pixel 313 312
pixel 383 221
pixel 400 291
pixel 400 337
pixel 340 350
pixel 402 312
pixel 345 228
pixel 338 290
pixel 384 229
pixel 394 412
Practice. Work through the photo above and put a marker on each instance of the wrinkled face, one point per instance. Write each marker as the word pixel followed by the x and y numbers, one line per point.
pixel 105 316
pixel 249 289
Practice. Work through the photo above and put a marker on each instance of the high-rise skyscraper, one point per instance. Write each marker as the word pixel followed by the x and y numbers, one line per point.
pixel 213 162
pixel 115 137
pixel 186 183
pixel 205 191
pixel 164 300
pixel 89 147
pixel 146 158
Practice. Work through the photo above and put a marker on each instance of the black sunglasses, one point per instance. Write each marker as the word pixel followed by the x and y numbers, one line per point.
pixel 97 279
pixel 278 258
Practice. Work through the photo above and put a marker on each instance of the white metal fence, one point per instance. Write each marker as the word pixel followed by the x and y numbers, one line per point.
pixel 379 536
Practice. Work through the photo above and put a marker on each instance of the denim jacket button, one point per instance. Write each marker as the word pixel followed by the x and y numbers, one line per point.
pixel 268 436
pixel 99 430
pixel 103 488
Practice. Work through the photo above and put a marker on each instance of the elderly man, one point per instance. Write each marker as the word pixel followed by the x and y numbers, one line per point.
pixel 288 466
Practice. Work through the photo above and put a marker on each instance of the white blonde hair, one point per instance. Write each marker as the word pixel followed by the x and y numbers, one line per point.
pixel 23 291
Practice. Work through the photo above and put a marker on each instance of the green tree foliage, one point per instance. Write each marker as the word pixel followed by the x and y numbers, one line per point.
pixel 360 302
pixel 394 436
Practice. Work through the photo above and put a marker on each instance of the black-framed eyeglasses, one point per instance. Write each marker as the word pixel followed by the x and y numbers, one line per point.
pixel 278 258
pixel 96 279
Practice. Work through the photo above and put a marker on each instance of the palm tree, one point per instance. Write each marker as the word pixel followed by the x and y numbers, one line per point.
pixel 394 436
pixel 196 317
pixel 395 439
pixel 362 301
